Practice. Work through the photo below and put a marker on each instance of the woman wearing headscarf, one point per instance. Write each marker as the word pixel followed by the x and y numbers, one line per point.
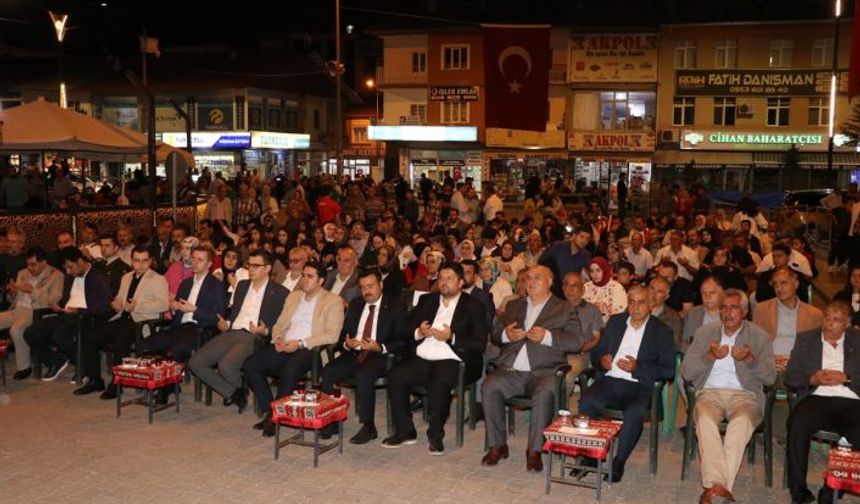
pixel 497 287
pixel 615 256
pixel 602 291
pixel 718 264
pixel 392 276
pixel 510 264
pixel 231 272
pixel 466 250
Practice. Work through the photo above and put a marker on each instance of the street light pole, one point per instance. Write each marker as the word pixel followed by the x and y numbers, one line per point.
pixel 337 72
pixel 833 85
pixel 59 21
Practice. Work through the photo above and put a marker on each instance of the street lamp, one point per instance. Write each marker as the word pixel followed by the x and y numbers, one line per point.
pixel 831 126
pixel 59 22
pixel 371 84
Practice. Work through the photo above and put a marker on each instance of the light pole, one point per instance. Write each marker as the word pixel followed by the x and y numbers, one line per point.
pixel 59 22
pixel 338 70
pixel 831 129
pixel 372 85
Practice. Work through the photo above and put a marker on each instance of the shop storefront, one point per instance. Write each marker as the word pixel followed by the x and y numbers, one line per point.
pixel 512 156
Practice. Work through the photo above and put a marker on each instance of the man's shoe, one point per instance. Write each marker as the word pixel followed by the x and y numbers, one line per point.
pixel 534 462
pixel 495 454
pixel 161 396
pixel 825 495
pixel 109 393
pixel 54 370
pixel 364 435
pixel 328 431
pixel 802 496
pixel 269 428
pixel 617 472
pixel 262 423
pixel 91 386
pixel 435 448
pixel 239 398
pixel 22 374
pixel 398 440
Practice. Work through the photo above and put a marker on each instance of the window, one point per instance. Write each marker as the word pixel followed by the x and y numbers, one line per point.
pixel 727 54
pixel 819 112
pixel 684 112
pixel 455 57
pixel 822 52
pixel 724 111
pixel 455 112
pixel 419 62
pixel 419 111
pixel 780 53
pixel 316 119
pixel 685 54
pixel 359 134
pixel 777 111
pixel 626 111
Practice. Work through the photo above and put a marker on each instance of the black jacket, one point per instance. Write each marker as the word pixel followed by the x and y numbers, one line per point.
pixel 271 307
pixel 391 328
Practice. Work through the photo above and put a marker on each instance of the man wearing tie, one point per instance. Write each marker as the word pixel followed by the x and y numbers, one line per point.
pixel 448 328
pixel 375 326
pixel 535 334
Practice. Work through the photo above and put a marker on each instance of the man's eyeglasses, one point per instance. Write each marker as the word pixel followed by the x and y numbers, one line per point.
pixel 254 266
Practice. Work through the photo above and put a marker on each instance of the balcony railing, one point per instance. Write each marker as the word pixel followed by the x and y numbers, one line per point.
pixel 400 78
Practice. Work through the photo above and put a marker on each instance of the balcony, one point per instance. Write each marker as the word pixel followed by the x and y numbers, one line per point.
pixel 400 79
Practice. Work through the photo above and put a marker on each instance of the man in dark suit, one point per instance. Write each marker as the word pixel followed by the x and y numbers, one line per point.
pixel 635 350
pixel 825 367
pixel 470 276
pixel 86 292
pixel 161 245
pixel 535 335
pixel 199 302
pixel 256 306
pixel 448 328
pixel 110 263
pixel 343 280
pixel 375 325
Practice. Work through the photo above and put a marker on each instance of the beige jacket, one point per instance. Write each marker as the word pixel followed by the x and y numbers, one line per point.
pixel 766 317
pixel 151 297
pixel 48 289
pixel 327 321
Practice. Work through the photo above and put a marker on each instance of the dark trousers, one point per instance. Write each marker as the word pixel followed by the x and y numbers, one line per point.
pixel 839 252
pixel 52 339
pixel 288 367
pixel 834 414
pixel 176 343
pixel 364 375
pixel 632 398
pixel 438 377
pixel 116 335
pixel 853 244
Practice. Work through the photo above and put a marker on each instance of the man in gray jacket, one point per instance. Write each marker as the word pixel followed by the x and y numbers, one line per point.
pixel 534 335
pixel 729 365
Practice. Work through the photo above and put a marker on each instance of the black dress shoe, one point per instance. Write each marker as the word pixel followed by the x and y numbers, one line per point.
pixel 802 496
pixel 262 423
pixel 366 434
pixel 109 393
pixel 328 431
pixel 162 395
pixel 239 398
pixel 825 495
pixel 617 473
pixel 91 386
pixel 22 374
pixel 269 429
pixel 398 440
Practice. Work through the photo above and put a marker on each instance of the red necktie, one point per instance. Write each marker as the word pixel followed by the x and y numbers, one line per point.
pixel 366 333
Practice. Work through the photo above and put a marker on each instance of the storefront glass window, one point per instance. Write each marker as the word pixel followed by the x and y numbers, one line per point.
pixel 627 111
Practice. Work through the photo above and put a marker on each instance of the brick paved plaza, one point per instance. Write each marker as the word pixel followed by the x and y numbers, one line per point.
pixel 57 447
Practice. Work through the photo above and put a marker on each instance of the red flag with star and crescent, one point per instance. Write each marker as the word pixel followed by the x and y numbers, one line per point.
pixel 516 76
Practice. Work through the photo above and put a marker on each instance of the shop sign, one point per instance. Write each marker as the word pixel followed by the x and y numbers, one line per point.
pixel 616 141
pixel 272 140
pixel 423 162
pixel 215 116
pixel 423 133
pixel 473 158
pixel 453 93
pixel 500 137
pixel 619 57
pixel 209 139
pixel 758 140
pixel 783 82
pixel 123 116
pixel 168 119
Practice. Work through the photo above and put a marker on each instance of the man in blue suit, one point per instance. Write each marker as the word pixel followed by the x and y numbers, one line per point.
pixel 199 301
pixel 635 350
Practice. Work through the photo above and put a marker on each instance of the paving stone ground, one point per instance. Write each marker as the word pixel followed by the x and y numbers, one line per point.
pixel 56 447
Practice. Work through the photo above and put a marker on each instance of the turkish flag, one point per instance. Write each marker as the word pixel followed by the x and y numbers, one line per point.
pixel 854 63
pixel 516 75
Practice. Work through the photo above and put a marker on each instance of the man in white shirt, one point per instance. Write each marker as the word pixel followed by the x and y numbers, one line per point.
pixel 635 350
pixel 257 304
pixel 493 205
pixel 298 257
pixel 638 256
pixel 448 327
pixel 729 364
pixel 458 203
pixel 343 280
pixel 683 256
pixel 825 367
pixel 125 242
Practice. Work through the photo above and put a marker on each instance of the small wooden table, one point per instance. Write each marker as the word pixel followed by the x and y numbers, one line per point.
pixel 298 412
pixel 149 376
pixel 843 471
pixel 598 441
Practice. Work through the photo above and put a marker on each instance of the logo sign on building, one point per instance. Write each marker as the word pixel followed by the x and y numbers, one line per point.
pixel 785 82
pixel 613 141
pixel 272 140
pixel 453 93
pixel 215 116
pixel 209 139
pixel 423 133
pixel 758 140
pixel 168 119
pixel 501 137
pixel 619 57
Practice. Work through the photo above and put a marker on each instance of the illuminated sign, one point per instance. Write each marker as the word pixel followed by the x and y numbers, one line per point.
pixel 782 82
pixel 759 140
pixel 271 140
pixel 209 139
pixel 424 133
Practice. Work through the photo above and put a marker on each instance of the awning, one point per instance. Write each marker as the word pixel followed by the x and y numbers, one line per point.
pixel 701 159
pixel 807 159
